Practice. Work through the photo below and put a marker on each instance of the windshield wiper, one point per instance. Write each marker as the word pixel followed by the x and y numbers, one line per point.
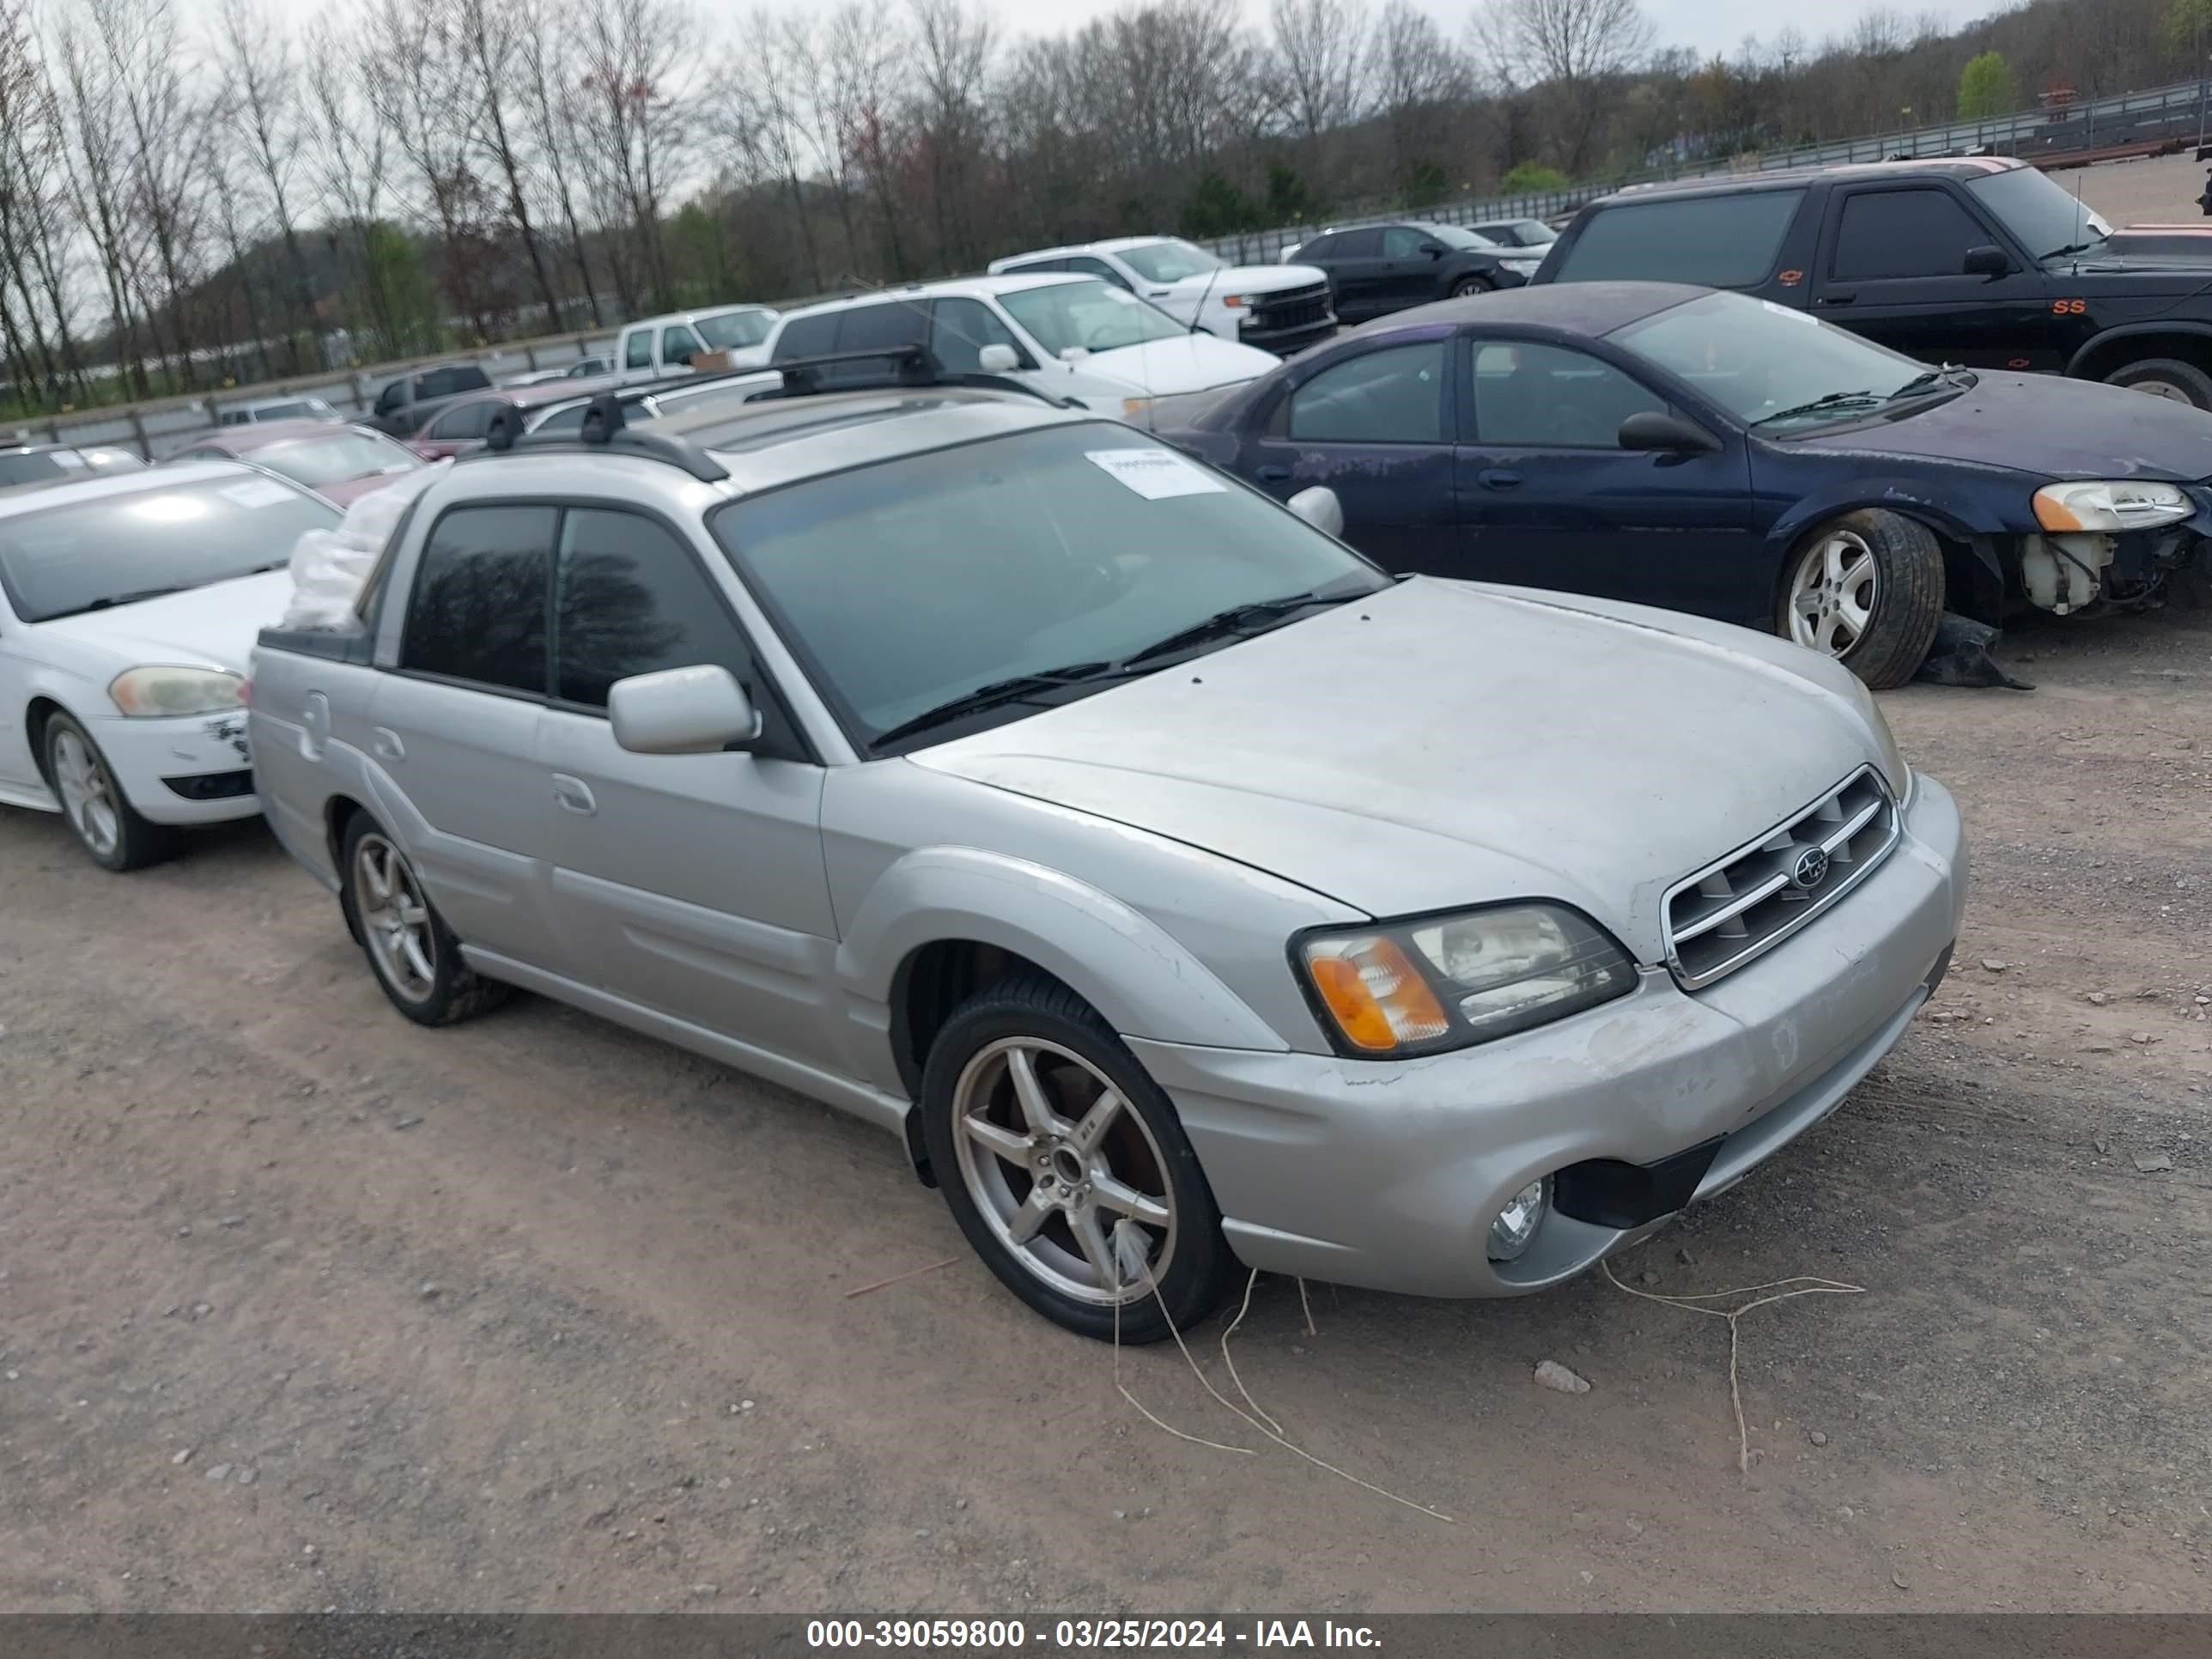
pixel 2072 247
pixel 1236 620
pixel 1832 400
pixel 999 693
pixel 114 599
pixel 1921 382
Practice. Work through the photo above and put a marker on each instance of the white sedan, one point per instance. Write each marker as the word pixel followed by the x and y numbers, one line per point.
pixel 129 607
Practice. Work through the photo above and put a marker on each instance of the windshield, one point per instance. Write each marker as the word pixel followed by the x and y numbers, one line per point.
pixel 315 462
pixel 1765 363
pixel 91 554
pixel 1524 233
pixel 734 330
pixel 295 411
pixel 2039 210
pixel 1455 236
pixel 916 581
pixel 1169 262
pixel 1094 315
pixel 33 465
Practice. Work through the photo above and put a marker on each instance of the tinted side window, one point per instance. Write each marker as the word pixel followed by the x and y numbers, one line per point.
pixel 807 336
pixel 386 400
pixel 633 600
pixel 1319 248
pixel 1035 265
pixel 960 329
pixel 563 420
pixel 1403 242
pixel 445 382
pixel 1719 242
pixel 477 611
pixel 881 328
pixel 1903 233
pixel 678 345
pixel 469 420
pixel 1544 397
pixel 637 350
pixel 1090 267
pixel 1359 245
pixel 1394 396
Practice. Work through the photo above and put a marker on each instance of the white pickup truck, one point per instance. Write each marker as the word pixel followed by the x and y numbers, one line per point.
pixel 726 337
pixel 1278 308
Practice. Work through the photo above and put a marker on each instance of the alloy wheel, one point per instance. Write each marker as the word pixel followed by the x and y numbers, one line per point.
pixel 395 919
pixel 88 792
pixel 1064 1172
pixel 1833 593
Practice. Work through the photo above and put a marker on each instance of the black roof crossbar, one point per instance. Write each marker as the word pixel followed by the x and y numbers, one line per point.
pixel 604 427
pixel 912 365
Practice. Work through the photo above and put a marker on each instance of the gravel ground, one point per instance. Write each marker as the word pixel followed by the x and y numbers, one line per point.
pixel 2161 191
pixel 304 1307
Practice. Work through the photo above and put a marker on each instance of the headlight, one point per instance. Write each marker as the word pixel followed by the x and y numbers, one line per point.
pixel 155 693
pixel 1524 266
pixel 2110 508
pixel 1438 983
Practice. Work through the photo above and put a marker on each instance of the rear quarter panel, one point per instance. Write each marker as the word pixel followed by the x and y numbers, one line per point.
pixel 308 730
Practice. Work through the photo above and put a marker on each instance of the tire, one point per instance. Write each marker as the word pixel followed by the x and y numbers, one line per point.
pixel 1467 285
pixel 2166 377
pixel 1045 1166
pixel 1866 588
pixel 114 833
pixel 450 990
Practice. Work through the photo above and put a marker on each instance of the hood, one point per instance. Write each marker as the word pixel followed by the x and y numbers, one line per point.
pixel 1441 744
pixel 2046 426
pixel 211 627
pixel 346 491
pixel 1251 279
pixel 1186 362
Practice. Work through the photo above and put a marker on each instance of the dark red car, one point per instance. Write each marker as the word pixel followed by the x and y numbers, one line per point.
pixel 463 422
pixel 338 463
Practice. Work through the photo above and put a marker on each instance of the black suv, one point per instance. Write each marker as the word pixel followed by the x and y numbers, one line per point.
pixel 404 404
pixel 1978 261
pixel 1373 269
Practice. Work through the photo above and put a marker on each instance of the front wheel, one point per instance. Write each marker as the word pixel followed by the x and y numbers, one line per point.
pixel 1467 285
pixel 2168 378
pixel 1866 588
pixel 113 832
pixel 416 956
pixel 1065 1166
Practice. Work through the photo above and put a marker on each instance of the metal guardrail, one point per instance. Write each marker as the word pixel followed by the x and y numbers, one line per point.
pixel 2027 133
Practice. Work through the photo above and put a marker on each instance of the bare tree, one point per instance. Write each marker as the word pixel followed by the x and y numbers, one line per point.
pixel 99 182
pixel 638 58
pixel 260 67
pixel 349 148
pixel 1321 66
pixel 1416 75
pixel 955 51
pixel 550 107
pixel 1579 50
pixel 491 39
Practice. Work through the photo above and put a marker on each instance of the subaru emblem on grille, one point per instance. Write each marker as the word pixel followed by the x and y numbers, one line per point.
pixel 1812 865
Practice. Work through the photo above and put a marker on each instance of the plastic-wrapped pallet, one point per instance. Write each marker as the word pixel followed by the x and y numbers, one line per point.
pixel 330 566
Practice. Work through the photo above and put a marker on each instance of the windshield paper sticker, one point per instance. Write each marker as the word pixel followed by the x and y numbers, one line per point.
pixel 1155 474
pixel 258 492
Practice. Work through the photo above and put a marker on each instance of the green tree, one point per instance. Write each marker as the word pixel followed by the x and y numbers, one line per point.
pixel 2188 26
pixel 407 321
pixel 1217 208
pixel 1426 183
pixel 1532 179
pixel 1291 199
pixel 1987 86
pixel 699 245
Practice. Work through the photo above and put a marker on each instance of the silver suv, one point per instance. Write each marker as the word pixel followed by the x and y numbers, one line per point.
pixel 1192 896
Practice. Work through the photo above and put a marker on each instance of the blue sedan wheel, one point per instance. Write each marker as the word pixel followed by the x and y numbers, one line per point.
pixel 1866 589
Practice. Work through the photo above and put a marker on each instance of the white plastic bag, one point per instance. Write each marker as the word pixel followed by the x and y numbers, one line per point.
pixel 330 566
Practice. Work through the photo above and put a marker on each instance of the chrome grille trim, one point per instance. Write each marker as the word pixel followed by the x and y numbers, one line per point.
pixel 1742 906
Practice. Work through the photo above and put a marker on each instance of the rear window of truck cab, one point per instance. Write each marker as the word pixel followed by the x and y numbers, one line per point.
pixel 1715 242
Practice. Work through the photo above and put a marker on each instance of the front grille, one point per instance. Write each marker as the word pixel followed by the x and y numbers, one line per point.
pixel 1293 308
pixel 212 786
pixel 1757 897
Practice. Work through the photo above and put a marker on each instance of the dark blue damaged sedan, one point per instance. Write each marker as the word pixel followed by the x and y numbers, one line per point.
pixel 1712 452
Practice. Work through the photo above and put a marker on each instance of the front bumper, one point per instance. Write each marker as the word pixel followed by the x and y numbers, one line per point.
pixel 181 770
pixel 1389 1175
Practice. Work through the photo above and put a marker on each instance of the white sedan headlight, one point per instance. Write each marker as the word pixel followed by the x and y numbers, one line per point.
pixel 156 692
pixel 1436 983
pixel 2109 507
pixel 1526 265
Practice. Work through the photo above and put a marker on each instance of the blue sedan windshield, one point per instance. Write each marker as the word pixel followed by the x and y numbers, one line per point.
pixel 1767 365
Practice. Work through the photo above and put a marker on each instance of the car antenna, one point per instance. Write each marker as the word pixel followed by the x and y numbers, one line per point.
pixel 1198 317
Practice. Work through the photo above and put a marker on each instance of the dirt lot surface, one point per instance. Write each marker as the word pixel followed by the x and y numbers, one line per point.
pixel 2160 191
pixel 303 1307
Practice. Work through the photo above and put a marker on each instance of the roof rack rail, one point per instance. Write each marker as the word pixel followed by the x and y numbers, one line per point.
pixel 914 365
pixel 604 427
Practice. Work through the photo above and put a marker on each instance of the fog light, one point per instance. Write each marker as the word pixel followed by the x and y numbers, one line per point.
pixel 1516 1222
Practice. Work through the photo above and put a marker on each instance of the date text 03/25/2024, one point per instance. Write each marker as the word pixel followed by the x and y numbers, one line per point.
pixel 1124 1635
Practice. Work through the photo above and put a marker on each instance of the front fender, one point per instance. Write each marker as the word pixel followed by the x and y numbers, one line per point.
pixel 1141 981
pixel 1973 519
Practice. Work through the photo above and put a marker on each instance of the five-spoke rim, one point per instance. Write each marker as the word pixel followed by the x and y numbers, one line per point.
pixel 1834 593
pixel 394 919
pixel 87 793
pixel 1064 1170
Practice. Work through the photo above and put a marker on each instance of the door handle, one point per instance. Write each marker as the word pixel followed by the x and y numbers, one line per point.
pixel 1835 298
pixel 385 743
pixel 1498 478
pixel 574 794
pixel 1273 474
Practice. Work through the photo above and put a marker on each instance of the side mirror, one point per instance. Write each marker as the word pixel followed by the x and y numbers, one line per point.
pixel 1434 250
pixel 1319 508
pixel 1988 262
pixel 996 359
pixel 1662 433
pixel 1073 354
pixel 701 710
